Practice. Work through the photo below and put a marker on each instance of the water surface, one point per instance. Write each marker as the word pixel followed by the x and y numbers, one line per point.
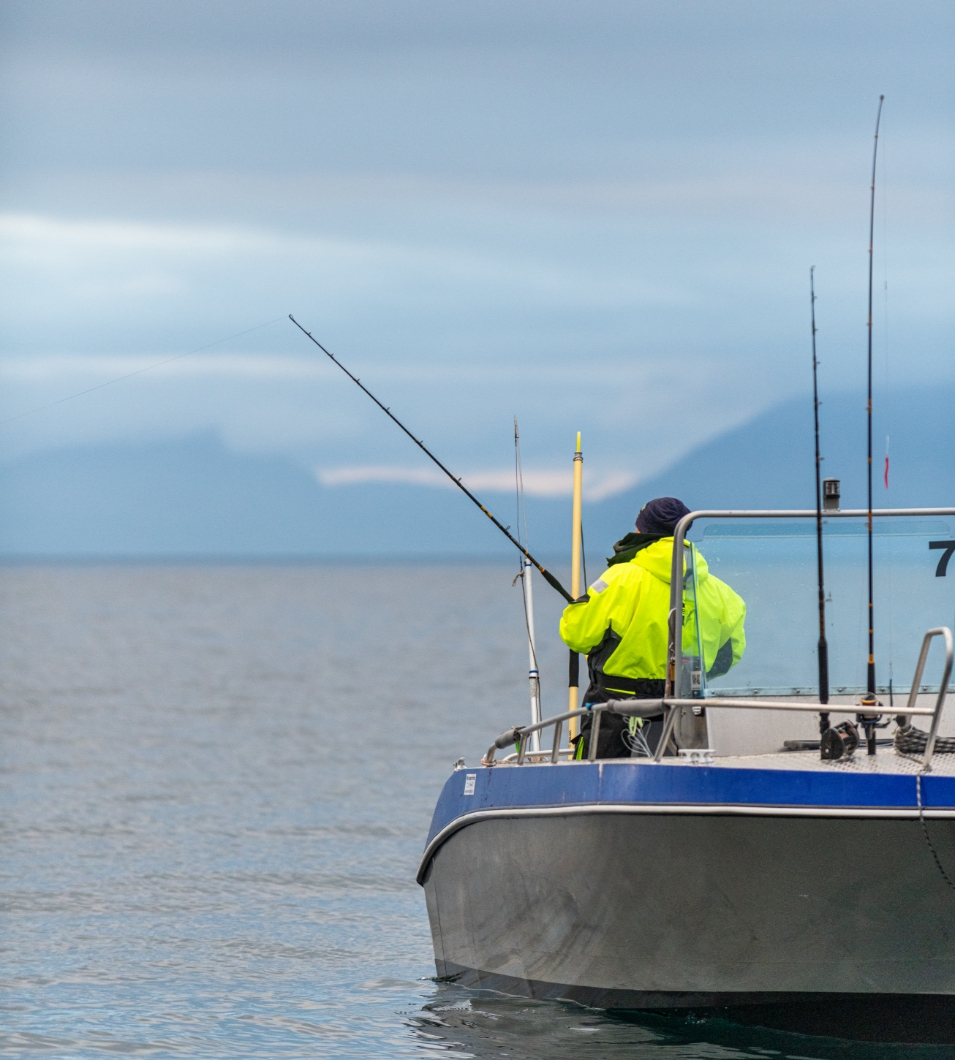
pixel 216 784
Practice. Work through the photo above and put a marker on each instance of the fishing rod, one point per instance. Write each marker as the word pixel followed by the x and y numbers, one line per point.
pixel 870 698
pixel 576 539
pixel 870 683
pixel 823 647
pixel 548 577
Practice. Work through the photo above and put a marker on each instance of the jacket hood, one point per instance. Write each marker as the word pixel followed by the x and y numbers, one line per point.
pixel 658 559
pixel 629 545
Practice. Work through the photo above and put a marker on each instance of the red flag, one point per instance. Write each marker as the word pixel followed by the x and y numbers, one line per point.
pixel 886 461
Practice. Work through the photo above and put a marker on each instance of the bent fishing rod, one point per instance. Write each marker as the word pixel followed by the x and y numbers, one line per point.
pixel 548 577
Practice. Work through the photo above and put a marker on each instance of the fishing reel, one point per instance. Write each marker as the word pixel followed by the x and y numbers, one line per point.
pixel 839 742
pixel 870 721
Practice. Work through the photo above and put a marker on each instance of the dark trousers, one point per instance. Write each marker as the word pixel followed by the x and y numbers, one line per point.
pixel 611 742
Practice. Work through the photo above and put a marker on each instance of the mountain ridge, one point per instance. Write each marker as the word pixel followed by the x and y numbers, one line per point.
pixel 194 497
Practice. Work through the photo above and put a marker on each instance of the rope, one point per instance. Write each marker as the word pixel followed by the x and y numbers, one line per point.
pixel 938 863
pixel 912 741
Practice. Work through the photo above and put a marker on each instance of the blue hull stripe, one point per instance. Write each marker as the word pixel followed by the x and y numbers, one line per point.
pixel 504 787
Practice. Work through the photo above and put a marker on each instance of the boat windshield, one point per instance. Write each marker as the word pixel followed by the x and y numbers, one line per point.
pixel 771 564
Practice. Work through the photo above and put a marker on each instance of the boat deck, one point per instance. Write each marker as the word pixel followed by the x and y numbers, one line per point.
pixel 886 762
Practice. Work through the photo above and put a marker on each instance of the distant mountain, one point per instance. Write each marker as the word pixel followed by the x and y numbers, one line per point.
pixel 196 498
pixel 769 462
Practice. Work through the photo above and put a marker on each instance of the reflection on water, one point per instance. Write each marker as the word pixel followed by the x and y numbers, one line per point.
pixel 462 1023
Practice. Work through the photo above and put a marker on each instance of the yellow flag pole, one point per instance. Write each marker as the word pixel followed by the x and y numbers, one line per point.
pixel 574 691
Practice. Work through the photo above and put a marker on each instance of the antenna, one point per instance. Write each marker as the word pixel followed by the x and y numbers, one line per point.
pixel 527 591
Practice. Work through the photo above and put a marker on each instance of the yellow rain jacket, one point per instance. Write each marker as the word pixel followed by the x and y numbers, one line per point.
pixel 622 627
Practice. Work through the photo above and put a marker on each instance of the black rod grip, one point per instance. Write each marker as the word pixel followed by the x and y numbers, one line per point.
pixel 553 582
pixel 823 650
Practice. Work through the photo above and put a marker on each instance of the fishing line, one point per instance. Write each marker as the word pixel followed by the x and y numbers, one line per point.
pixel 548 577
pixel 633 737
pixel 885 269
pixel 522 517
pixel 519 484
pixel 139 371
pixel 885 374
pixel 517 498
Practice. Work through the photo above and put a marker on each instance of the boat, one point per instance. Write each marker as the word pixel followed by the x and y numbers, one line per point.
pixel 735 872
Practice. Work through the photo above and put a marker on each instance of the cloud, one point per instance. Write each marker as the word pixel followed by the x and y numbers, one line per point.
pixel 40 234
pixel 536 483
pixel 57 367
pixel 593 221
pixel 105 261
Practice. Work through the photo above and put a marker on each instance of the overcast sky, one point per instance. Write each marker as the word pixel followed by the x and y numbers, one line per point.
pixel 597 216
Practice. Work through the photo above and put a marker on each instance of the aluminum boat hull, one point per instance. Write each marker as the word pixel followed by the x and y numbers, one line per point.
pixel 820 918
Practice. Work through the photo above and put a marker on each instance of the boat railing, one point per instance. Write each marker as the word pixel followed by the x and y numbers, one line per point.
pixel 946 634
pixel 519 733
pixel 670 709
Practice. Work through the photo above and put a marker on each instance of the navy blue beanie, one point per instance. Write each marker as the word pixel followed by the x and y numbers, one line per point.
pixel 661 515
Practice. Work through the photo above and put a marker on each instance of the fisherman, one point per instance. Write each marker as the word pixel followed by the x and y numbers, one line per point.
pixel 621 625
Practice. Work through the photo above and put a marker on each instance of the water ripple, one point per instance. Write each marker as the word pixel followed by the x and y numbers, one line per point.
pixel 215 785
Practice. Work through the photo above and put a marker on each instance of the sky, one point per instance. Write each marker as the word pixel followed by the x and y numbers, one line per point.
pixel 592 216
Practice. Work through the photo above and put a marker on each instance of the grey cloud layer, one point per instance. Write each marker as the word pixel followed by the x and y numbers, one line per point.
pixel 598 216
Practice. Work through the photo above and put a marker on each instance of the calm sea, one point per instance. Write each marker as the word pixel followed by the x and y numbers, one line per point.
pixel 216 784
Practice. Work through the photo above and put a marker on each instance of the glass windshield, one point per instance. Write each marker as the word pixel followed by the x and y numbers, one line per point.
pixel 770 566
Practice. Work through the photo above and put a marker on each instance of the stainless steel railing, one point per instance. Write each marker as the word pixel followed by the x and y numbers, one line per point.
pixel 518 734
pixel 670 708
pixel 946 633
